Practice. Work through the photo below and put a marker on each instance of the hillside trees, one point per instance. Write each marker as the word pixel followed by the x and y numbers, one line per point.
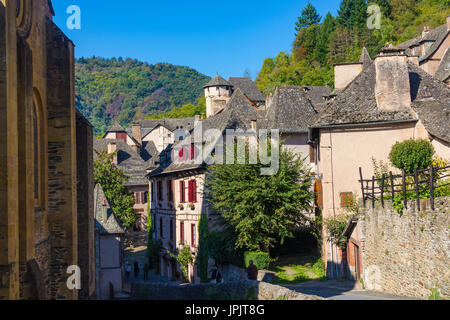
pixel 317 47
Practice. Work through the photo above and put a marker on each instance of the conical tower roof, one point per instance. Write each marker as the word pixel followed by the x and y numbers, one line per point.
pixel 365 57
pixel 217 81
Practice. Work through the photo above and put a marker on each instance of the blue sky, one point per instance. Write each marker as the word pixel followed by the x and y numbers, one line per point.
pixel 225 37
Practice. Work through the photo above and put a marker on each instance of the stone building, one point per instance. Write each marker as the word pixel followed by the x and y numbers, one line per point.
pixel 390 101
pixel 430 50
pixel 178 183
pixel 46 180
pixel 108 248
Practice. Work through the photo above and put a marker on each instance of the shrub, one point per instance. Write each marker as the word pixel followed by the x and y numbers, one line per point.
pixel 336 227
pixel 412 154
pixel 260 259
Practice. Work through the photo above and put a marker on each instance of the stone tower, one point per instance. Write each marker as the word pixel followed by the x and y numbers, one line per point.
pixel 217 92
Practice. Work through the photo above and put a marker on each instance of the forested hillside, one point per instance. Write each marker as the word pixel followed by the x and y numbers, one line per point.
pixel 321 42
pixel 124 90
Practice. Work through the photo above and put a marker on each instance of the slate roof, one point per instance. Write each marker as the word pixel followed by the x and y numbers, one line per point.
pixel 357 104
pixel 128 161
pixel 116 127
pixel 290 110
pixel 248 88
pixel 365 58
pixel 217 81
pixel 171 124
pixel 436 35
pixel 316 95
pixel 112 224
pixel 237 114
pixel 443 72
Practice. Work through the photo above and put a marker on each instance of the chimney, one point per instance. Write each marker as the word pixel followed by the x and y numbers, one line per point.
pixel 112 147
pixel 426 29
pixel 344 73
pixel 392 89
pixel 136 131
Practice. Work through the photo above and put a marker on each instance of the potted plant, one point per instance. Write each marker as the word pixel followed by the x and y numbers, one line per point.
pixel 180 206
pixel 192 206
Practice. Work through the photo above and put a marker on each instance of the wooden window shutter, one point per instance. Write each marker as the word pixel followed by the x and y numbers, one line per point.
pixel 161 234
pixel 346 199
pixel 312 154
pixel 171 229
pixel 180 154
pixel 192 153
pixel 194 190
pixel 190 191
pixel 318 190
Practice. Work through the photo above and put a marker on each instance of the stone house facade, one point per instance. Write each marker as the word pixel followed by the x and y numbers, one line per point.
pixel 177 184
pixel 46 182
pixel 391 100
pixel 108 248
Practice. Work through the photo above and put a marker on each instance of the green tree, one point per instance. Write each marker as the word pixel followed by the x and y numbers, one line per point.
pixel 261 210
pixel 112 180
pixel 308 17
pixel 184 258
pixel 323 44
pixel 352 13
pixel 412 154
pixel 203 247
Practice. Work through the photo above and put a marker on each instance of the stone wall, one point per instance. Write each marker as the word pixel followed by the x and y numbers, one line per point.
pixel 212 291
pixel 407 254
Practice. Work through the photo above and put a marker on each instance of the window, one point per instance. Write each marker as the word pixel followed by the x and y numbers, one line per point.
pixel 192 191
pixel 181 232
pixel 346 199
pixel 145 197
pixel 36 153
pixel 193 235
pixel 159 190
pixel 137 197
pixel 171 230
pixel 170 190
pixel 161 233
pixel 121 136
pixel 153 192
pixel 182 192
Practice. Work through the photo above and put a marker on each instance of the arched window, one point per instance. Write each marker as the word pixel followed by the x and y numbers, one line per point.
pixel 35 130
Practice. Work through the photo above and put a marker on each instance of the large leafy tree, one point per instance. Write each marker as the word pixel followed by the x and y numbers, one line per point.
pixel 261 210
pixel 308 17
pixel 112 180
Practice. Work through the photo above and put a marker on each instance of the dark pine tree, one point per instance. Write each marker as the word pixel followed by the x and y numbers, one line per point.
pixel 308 17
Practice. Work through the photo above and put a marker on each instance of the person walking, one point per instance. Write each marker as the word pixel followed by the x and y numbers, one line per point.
pixel 252 271
pixel 136 269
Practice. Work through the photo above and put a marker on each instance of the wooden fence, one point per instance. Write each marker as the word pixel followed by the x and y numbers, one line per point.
pixel 430 179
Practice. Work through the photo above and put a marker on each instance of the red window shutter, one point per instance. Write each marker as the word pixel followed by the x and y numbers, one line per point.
pixel 121 136
pixel 182 232
pixel 312 154
pixel 192 153
pixel 194 190
pixel 180 154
